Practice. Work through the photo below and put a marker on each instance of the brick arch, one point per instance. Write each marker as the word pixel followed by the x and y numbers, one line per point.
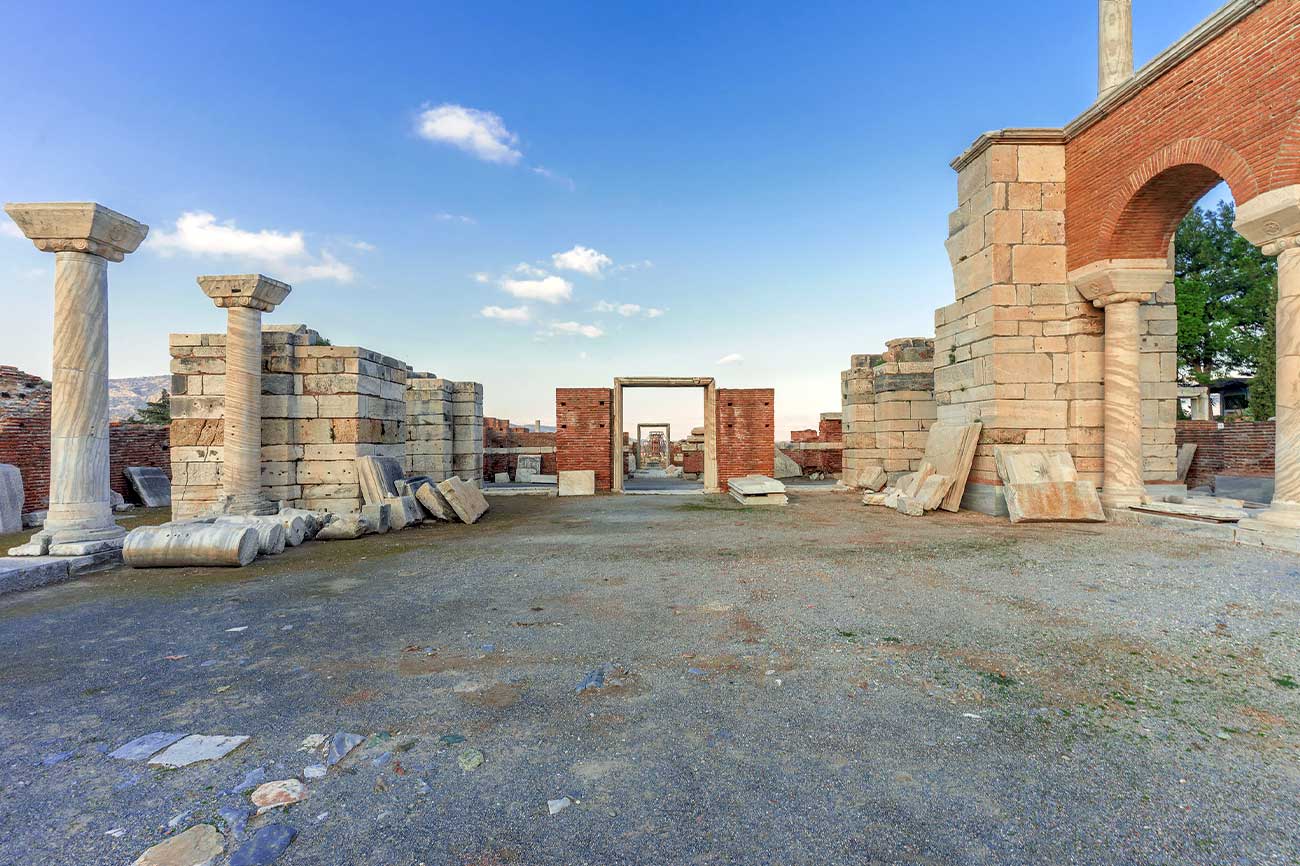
pixel 1144 212
pixel 1286 165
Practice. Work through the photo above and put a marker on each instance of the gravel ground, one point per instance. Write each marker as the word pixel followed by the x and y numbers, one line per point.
pixel 817 684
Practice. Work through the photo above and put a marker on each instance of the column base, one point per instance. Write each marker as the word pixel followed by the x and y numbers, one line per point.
pixel 72 542
pixel 249 506
pixel 1113 498
pixel 1279 515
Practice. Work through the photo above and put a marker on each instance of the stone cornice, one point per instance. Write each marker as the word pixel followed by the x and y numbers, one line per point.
pixel 1026 135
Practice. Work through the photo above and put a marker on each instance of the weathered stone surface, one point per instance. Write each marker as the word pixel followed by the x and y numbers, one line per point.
pixel 577 482
pixel 527 466
pixel 378 478
pixel 1186 454
pixel 1040 484
pixel 932 491
pixel 501 478
pixel 196 748
pixel 784 467
pixel 910 506
pixel 11 498
pixel 312 522
pixel 200 845
pixel 145 746
pixel 271 538
pixel 379 516
pixel 175 545
pixel 282 792
pixel 433 502
pixel 464 498
pixel 265 847
pixel 344 528
pixel 403 511
pixel 341 745
pixel 755 485
pixel 950 449
pixel 873 478
pixel 151 484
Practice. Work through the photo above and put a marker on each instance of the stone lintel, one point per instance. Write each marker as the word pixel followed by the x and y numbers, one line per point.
pixel 78 226
pixel 1115 280
pixel 245 290
pixel 1271 220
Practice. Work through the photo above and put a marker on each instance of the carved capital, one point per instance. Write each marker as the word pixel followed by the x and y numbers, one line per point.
pixel 1271 220
pixel 245 290
pixel 1113 281
pixel 78 227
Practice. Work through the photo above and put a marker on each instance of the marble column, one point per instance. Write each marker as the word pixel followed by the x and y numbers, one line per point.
pixel 245 297
pixel 1272 221
pixel 1120 287
pixel 84 237
pixel 1114 44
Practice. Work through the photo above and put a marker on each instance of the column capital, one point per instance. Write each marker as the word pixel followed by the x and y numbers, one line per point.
pixel 245 290
pixel 1271 220
pixel 1113 281
pixel 78 227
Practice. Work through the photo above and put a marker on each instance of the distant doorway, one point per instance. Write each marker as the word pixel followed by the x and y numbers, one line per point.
pixel 648 484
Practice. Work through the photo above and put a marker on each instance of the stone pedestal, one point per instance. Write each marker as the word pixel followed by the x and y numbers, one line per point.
pixel 84 237
pixel 245 297
pixel 1119 287
pixel 1272 221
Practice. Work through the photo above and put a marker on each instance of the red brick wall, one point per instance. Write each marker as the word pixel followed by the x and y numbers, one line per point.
pixel 746 439
pixel 693 461
pixel 1227 111
pixel 816 461
pixel 803 435
pixel 830 430
pixel 1245 448
pixel 583 420
pixel 25 440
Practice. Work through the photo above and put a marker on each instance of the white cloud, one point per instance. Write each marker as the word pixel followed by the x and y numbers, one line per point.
pixel 558 178
pixel 634 266
pixel 479 133
pixel 550 289
pixel 362 246
pixel 198 233
pixel 628 310
pixel 506 314
pixel 481 277
pixel 530 270
pixel 582 260
pixel 445 217
pixel 654 313
pixel 733 358
pixel 578 328
pixel 10 229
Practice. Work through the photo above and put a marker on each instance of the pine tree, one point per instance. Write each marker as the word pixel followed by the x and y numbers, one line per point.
pixel 154 411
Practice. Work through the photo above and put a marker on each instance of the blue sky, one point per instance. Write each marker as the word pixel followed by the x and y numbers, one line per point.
pixel 771 178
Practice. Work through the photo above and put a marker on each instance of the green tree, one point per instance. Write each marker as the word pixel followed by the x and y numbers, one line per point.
pixel 1226 290
pixel 154 411
pixel 1263 388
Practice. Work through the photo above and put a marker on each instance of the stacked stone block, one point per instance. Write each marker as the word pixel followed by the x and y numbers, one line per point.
pixel 322 407
pixel 467 432
pixel 888 408
pixel 693 452
pixel 429 426
pixel 1020 349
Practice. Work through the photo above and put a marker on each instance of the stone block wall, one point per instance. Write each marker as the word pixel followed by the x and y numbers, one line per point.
pixel 888 408
pixel 467 432
pixel 746 432
pixel 1244 448
pixel 429 426
pixel 693 452
pixel 322 407
pixel 583 420
pixel 1020 349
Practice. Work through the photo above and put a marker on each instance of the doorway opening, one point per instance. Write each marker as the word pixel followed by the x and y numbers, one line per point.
pixel 646 465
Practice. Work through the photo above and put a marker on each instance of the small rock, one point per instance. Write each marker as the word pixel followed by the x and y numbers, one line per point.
pixel 315 771
pixel 236 818
pixel 251 780
pixel 56 758
pixel 312 743
pixel 340 745
pixel 116 832
pixel 143 747
pixel 273 795
pixel 558 806
pixel 265 847
pixel 238 629
pixel 197 846
pixel 450 740
pixel 177 820
pixel 195 748
pixel 470 759
pixel 382 759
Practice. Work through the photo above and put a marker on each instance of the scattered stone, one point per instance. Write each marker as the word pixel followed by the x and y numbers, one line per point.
pixel 433 502
pixel 873 478
pixel 784 467
pixel 379 516
pixel 176 545
pixel 177 820
pixel 237 629
pixel 236 818
pixel 265 847
pixel 340 745
pixel 404 511
pixel 198 846
pixel 470 759
pixel 450 740
pixel 501 478
pixel 465 499
pixel 315 771
pixel 382 759
pixel 116 832
pixel 151 484
pixel 378 477
pixel 345 528
pixel 312 742
pixel 271 534
pixel 145 746
pixel 909 506
pixel 252 779
pixel 558 806
pixel 273 795
pixel 1040 484
pixel 196 748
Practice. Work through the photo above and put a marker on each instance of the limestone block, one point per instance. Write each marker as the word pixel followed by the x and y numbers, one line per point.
pixel 908 505
pixel 1041 163
pixel 312 521
pixel 872 478
pixel 1043 227
pixel 930 494
pixel 11 498
pixel 1038 264
pixel 376 477
pixel 433 502
pixel 577 482
pixel 404 511
pixel 526 466
pixel 464 498
pixel 1024 196
pixel 1041 484
pixel 344 528
pixel 379 516
pixel 327 472
pixel 784 467
pixel 174 545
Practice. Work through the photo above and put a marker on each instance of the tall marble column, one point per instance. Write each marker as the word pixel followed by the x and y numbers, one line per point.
pixel 84 238
pixel 1272 221
pixel 245 297
pixel 1120 287
pixel 1114 44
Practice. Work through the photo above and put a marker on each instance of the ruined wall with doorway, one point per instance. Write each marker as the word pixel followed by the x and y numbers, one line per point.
pixel 583 421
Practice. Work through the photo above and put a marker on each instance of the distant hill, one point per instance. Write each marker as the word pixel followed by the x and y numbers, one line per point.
pixel 125 396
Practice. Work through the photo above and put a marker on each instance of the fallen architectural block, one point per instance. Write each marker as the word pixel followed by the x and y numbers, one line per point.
pixel 909 506
pixel 501 478
pixel 913 482
pixel 527 466
pixel 932 491
pixel 433 502
pixel 464 498
pixel 757 490
pixel 379 516
pixel 1040 484
pixel 378 477
pixel 1186 454
pixel 345 527
pixel 403 511
pixel 950 449
pixel 874 498
pixel 11 498
pixel 784 467
pixel 270 532
pixel 151 484
pixel 295 528
pixel 312 520
pixel 577 482
pixel 175 545
pixel 873 478
pixel 543 479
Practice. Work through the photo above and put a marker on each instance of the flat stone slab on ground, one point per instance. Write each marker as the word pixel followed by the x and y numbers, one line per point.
pixel 151 484
pixel 196 748
pixel 755 485
pixel 18 573
pixel 465 499
pixel 143 747
pixel 577 482
pixel 200 845
pixel 11 498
